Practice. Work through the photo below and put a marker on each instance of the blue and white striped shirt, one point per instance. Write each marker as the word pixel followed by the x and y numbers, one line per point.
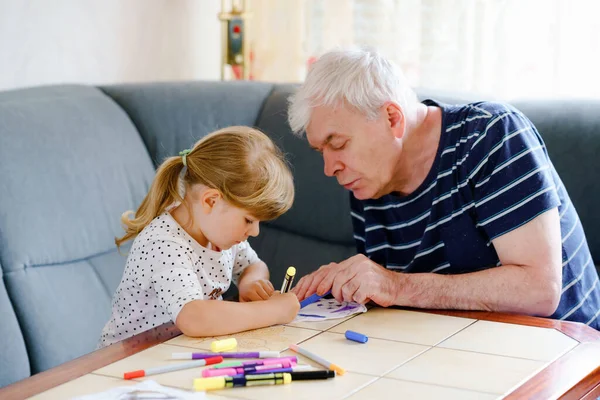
pixel 491 175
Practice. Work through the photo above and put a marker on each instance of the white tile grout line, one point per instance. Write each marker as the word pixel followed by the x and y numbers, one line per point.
pixel 358 389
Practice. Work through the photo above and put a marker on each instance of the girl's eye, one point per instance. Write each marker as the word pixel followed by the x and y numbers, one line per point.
pixel 249 222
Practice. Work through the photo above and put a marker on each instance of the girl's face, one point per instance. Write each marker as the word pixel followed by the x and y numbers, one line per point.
pixel 219 222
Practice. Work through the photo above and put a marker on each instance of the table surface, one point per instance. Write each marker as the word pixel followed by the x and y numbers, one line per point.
pixel 410 354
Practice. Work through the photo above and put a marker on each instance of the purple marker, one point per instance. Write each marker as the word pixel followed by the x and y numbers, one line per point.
pixel 253 354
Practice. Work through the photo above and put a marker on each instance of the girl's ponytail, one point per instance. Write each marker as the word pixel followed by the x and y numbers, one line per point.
pixel 163 193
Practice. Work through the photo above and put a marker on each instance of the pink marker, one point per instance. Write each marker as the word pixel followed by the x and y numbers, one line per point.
pixel 265 361
pixel 207 373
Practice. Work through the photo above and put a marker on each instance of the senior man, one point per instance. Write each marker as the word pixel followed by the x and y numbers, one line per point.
pixel 453 206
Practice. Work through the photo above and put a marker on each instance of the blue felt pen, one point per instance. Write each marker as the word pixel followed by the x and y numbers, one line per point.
pixel 312 299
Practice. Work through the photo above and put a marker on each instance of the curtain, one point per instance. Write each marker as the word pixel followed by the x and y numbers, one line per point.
pixel 504 48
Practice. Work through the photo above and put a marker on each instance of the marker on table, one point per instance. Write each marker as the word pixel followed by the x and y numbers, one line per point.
pixel 244 370
pixel 289 278
pixel 266 361
pixel 169 368
pixel 310 375
pixel 355 336
pixel 220 382
pixel 223 345
pixel 317 359
pixel 251 354
pixel 312 299
pixel 297 368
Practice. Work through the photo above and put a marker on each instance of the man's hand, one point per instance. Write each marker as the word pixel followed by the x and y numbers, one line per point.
pixel 259 289
pixel 356 279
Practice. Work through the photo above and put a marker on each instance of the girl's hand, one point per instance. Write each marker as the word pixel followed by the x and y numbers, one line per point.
pixel 260 289
pixel 284 306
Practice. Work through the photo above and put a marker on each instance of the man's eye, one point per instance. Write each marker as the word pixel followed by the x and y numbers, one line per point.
pixel 339 146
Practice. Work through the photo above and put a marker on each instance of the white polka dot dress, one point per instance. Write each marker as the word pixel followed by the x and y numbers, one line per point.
pixel 166 268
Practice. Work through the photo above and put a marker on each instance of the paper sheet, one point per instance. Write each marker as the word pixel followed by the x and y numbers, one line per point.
pixel 147 389
pixel 326 309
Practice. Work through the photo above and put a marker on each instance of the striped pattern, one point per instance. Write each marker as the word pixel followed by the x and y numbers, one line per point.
pixel 491 175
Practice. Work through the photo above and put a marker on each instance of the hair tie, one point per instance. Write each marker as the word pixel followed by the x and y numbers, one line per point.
pixel 183 155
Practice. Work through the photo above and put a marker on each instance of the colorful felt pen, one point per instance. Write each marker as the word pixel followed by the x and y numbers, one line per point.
pixel 312 299
pixel 220 382
pixel 317 359
pixel 297 368
pixel 288 279
pixel 310 375
pixel 199 356
pixel 264 361
pixel 173 367
pixel 243 370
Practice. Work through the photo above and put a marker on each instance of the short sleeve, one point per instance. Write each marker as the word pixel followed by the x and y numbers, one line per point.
pixel 243 257
pixel 172 276
pixel 512 181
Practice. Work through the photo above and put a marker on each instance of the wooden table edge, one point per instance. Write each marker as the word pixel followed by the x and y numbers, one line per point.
pixel 88 363
pixel 586 382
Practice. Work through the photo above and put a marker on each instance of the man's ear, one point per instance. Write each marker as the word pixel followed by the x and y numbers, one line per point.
pixel 208 199
pixel 395 119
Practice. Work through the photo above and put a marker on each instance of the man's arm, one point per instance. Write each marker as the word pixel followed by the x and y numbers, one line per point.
pixel 529 280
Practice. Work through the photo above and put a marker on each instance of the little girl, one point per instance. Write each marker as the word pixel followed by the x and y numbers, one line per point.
pixel 188 249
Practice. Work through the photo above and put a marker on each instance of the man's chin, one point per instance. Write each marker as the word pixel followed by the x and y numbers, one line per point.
pixel 362 194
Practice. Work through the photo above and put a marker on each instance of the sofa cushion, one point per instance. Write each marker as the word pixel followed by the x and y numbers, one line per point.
pixel 14 363
pixel 173 116
pixel 71 162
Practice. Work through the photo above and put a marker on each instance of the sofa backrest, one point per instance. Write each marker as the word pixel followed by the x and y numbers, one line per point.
pixel 71 162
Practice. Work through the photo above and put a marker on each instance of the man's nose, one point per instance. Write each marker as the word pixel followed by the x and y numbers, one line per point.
pixel 331 165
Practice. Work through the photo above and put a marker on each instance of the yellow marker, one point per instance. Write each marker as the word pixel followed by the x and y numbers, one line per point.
pixel 223 345
pixel 220 382
pixel 289 278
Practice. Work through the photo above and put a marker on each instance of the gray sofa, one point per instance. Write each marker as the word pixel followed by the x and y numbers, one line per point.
pixel 73 158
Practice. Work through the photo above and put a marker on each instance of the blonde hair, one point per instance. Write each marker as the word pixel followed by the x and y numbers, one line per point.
pixel 242 163
pixel 359 77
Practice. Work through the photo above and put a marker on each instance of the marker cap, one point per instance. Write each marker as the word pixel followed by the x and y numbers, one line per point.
pixel 356 337
pixel 134 374
pixel 203 384
pixel 223 345
pixel 287 377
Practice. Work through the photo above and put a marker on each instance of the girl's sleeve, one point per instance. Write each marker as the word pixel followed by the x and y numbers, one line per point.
pixel 243 257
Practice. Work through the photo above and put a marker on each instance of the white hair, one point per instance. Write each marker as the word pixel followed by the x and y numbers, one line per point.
pixel 359 77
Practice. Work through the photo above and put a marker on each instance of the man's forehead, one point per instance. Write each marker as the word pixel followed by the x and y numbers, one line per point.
pixel 318 138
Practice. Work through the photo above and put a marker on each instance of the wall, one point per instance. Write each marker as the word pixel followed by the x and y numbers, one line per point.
pixel 108 41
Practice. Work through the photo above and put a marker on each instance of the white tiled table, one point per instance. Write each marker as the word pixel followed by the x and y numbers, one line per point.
pixel 410 354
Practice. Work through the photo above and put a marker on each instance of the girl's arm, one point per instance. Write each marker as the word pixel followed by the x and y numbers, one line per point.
pixel 254 283
pixel 214 317
pixel 254 272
